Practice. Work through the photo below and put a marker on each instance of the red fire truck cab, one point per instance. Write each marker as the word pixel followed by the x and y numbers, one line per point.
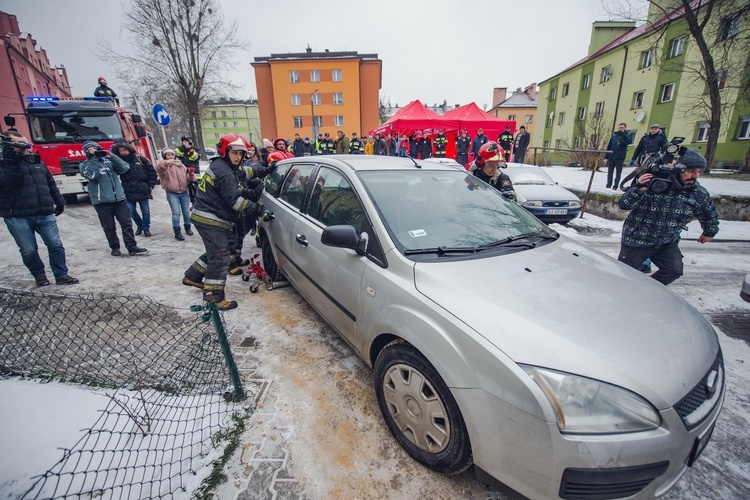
pixel 58 127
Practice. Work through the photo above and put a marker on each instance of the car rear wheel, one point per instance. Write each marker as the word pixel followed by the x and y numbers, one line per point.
pixel 269 263
pixel 420 410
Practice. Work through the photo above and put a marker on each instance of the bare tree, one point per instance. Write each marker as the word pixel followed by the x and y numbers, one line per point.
pixel 590 135
pixel 180 49
pixel 721 32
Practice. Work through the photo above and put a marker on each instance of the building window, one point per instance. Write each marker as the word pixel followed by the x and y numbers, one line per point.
pixel 294 77
pixel 512 118
pixel 316 99
pixel 529 119
pixel 586 81
pixel 336 75
pixel 730 27
pixel 223 114
pixel 721 77
pixel 216 125
pixel 599 109
pixel 338 121
pixel 296 101
pixel 546 144
pixel 577 143
pixel 234 124
pixel 297 122
pixel 551 119
pixel 224 124
pixel 565 89
pixel 638 99
pixel 647 58
pixel 561 118
pixel 582 113
pixel 677 47
pixel 606 73
pixel 338 98
pixel 553 94
pixel 667 92
pixel 558 143
pixel 216 136
pixel 314 75
pixel 743 131
pixel 234 113
pixel 318 121
pixel 213 115
pixel 701 134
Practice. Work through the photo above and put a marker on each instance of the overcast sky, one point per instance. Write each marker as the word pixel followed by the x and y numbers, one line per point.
pixel 431 50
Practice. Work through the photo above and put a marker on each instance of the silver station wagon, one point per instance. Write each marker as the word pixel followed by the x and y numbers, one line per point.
pixel 494 341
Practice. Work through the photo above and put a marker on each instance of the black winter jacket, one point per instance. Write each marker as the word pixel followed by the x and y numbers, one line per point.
pixel 139 180
pixel 649 143
pixel 27 190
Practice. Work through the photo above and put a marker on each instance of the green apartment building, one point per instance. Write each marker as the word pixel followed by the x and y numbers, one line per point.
pixel 647 74
pixel 228 115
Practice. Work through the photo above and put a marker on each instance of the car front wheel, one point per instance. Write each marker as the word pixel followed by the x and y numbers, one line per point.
pixel 420 410
pixel 269 263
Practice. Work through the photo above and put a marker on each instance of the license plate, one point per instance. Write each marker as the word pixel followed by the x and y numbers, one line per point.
pixel 557 211
pixel 700 445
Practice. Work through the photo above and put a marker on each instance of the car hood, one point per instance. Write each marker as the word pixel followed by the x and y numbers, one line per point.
pixel 570 308
pixel 551 192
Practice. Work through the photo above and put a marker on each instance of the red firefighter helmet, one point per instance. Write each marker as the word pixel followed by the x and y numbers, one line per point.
pixel 277 156
pixel 490 151
pixel 102 80
pixel 229 141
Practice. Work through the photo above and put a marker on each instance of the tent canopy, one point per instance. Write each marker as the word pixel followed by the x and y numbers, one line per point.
pixel 415 117
pixel 472 117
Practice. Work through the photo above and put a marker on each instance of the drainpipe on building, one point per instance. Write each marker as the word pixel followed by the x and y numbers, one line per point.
pixel 619 91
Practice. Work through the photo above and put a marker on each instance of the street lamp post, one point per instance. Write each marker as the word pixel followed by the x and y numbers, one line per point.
pixel 312 111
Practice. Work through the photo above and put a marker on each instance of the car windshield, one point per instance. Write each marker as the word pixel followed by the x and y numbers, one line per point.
pixel 521 175
pixel 76 126
pixel 447 211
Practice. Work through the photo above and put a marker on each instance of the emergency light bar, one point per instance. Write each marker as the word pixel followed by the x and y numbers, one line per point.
pixel 51 99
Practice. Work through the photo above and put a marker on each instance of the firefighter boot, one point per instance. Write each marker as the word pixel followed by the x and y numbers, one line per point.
pixel 178 234
pixel 221 303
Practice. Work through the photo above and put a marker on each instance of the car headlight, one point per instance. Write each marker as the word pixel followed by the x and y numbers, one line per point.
pixel 531 203
pixel 574 204
pixel 588 406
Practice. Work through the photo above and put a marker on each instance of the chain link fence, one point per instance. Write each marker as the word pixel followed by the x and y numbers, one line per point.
pixel 169 394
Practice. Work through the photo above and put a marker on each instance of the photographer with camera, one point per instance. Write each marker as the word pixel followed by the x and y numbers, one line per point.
pixel 29 203
pixel 103 170
pixel 663 201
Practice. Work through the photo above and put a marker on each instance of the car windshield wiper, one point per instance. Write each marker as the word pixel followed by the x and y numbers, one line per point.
pixel 509 242
pixel 440 250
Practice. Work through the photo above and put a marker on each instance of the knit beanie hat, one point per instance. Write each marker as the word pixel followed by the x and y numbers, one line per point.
pixel 267 144
pixel 691 158
pixel 89 144
pixel 168 150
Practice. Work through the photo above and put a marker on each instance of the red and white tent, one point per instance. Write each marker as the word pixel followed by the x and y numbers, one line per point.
pixel 472 117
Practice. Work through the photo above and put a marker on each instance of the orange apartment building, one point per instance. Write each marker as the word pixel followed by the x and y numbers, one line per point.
pixel 311 92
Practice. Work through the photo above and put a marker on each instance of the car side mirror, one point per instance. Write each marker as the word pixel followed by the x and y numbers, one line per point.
pixel 345 237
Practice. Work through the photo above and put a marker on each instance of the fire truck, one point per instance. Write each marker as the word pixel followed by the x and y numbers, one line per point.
pixel 58 127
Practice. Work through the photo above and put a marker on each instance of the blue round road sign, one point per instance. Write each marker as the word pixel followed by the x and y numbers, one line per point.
pixel 161 115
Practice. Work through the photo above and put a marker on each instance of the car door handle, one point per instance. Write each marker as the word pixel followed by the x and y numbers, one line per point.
pixel 301 240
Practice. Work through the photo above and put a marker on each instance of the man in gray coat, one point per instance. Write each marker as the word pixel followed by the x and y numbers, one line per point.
pixel 103 169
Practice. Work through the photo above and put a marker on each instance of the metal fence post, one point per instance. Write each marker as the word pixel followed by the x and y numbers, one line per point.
pixel 234 374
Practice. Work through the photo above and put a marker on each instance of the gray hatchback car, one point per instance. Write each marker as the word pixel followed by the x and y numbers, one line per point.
pixel 495 341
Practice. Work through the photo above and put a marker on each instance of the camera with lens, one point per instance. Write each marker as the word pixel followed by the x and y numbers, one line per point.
pixel 101 153
pixel 10 145
pixel 659 166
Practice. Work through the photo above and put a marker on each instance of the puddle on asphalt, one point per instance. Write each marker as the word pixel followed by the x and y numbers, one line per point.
pixel 735 323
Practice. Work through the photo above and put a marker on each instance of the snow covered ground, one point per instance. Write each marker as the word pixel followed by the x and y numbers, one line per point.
pixel 324 390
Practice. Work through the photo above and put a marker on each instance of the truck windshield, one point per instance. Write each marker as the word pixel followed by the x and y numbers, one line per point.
pixel 76 126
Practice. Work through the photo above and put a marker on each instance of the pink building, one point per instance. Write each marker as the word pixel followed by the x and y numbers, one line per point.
pixel 25 71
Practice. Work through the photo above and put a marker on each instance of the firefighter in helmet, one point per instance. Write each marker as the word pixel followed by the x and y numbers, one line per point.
pixel 218 203
pixel 103 90
pixel 486 166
